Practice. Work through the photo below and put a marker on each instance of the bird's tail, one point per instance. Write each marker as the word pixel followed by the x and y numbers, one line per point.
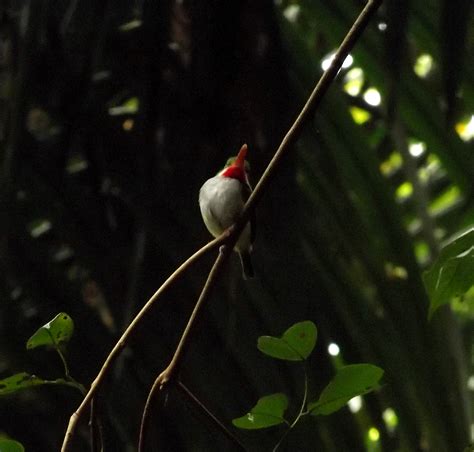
pixel 247 267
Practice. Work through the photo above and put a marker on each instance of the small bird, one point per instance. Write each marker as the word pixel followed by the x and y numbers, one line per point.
pixel 222 199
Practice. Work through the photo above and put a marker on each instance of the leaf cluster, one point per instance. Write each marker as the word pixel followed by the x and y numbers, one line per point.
pixel 55 335
pixel 296 344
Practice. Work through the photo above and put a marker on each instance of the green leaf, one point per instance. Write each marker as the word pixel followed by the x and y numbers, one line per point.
pixel 10 445
pixel 349 381
pixel 18 382
pixel 296 344
pixel 452 274
pixel 54 333
pixel 267 412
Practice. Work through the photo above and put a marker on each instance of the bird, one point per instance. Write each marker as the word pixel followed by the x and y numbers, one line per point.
pixel 221 201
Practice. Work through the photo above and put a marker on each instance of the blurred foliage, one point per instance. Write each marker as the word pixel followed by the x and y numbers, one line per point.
pixel 112 115
pixel 10 445
pixel 452 274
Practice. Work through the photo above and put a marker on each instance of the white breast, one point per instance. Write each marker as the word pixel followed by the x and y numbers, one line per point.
pixel 220 200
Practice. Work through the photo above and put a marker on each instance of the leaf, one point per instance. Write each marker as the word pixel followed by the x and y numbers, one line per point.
pixel 267 412
pixel 54 333
pixel 18 382
pixel 296 344
pixel 349 381
pixel 452 274
pixel 10 445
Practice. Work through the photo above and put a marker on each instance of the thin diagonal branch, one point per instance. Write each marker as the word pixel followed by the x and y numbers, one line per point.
pixel 146 413
pixel 204 410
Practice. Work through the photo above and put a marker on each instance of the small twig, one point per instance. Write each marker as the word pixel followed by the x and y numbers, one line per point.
pixel 205 411
pixel 92 433
pixel 196 402
pixel 146 414
pixel 95 428
pixel 127 334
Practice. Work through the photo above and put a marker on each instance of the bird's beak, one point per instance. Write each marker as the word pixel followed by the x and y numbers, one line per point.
pixel 240 160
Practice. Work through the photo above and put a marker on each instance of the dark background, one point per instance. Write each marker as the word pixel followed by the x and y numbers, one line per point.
pixel 113 114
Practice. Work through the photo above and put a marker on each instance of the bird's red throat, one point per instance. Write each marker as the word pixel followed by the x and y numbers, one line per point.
pixel 237 169
pixel 235 172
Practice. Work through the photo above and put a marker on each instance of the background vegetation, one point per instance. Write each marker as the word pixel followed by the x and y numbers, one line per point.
pixel 112 115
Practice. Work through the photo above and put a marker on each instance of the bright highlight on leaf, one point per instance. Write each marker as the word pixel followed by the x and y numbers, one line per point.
pixel 446 199
pixel 76 163
pixel 296 344
pixel 372 97
pixel 373 434
pixel 353 81
pixel 465 129
pixel 129 107
pixel 39 227
pixel 404 191
pixel 393 163
pixel 359 115
pixel 268 412
pixel 18 382
pixel 390 418
pixel 333 349
pixel 417 149
pixel 54 333
pixel 452 274
pixel 349 381
pixel 291 13
pixel 423 65
pixel 132 25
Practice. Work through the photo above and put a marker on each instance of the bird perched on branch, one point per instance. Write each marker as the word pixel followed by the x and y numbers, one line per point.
pixel 222 199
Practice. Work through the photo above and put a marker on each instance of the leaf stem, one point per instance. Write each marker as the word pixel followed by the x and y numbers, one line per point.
pixel 63 359
pixel 70 380
pixel 301 412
